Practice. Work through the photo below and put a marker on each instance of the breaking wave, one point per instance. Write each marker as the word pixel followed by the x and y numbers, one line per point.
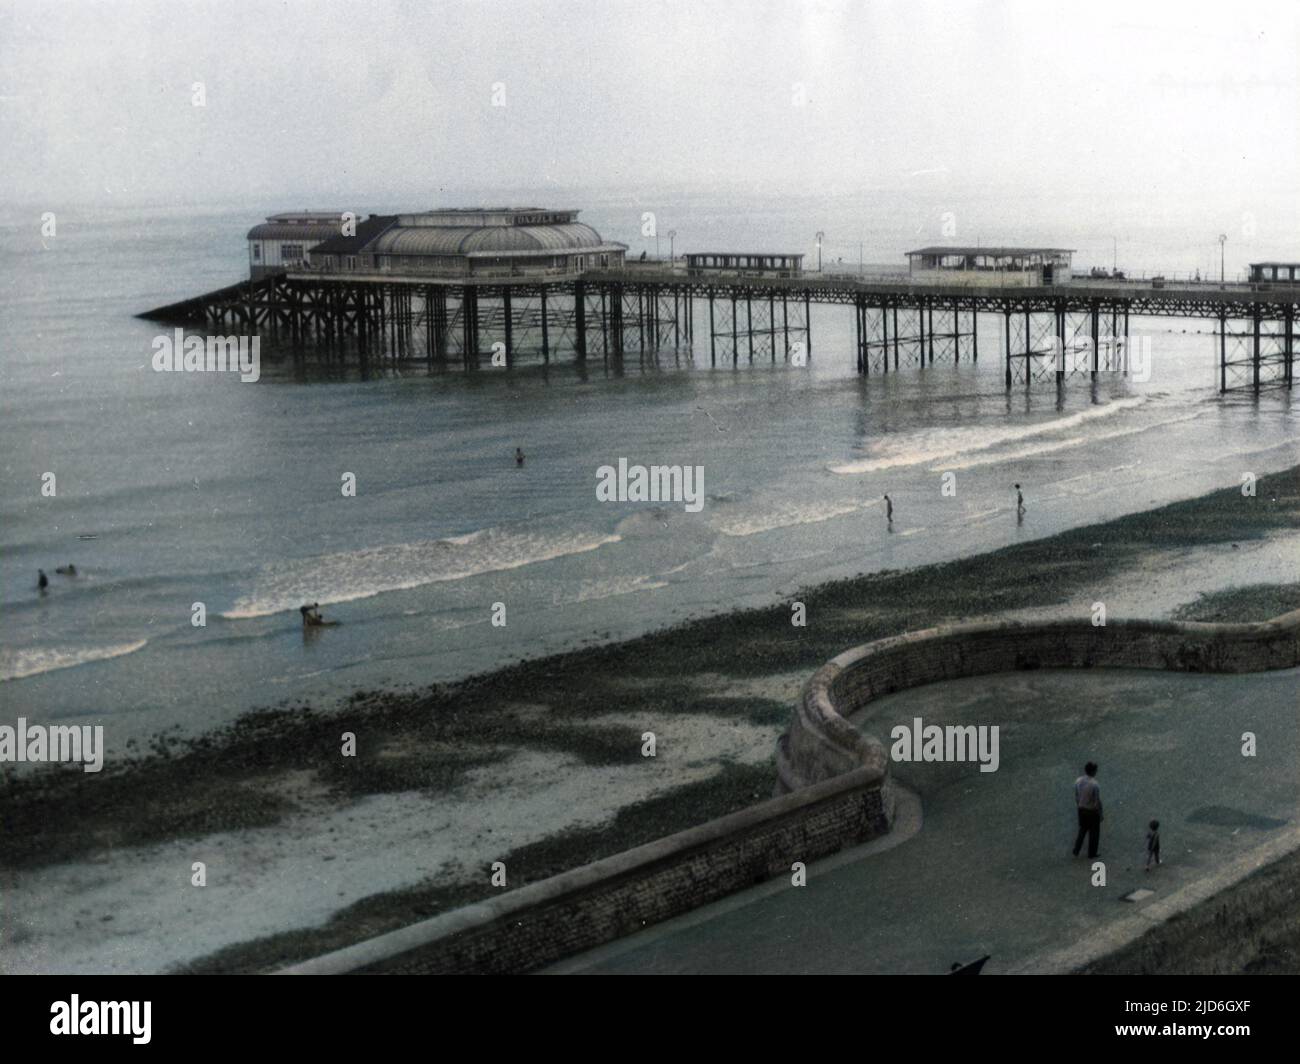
pixel 358 574
pixel 937 445
pixel 1049 446
pixel 31 661
pixel 786 515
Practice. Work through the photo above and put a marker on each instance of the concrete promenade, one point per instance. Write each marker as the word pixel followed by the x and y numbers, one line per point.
pixel 989 870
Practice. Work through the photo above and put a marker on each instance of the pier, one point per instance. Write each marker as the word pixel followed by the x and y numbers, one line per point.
pixel 415 287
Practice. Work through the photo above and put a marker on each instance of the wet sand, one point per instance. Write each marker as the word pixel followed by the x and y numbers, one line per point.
pixel 538 764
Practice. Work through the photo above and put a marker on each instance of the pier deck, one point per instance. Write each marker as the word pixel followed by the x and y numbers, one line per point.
pixel 1049 332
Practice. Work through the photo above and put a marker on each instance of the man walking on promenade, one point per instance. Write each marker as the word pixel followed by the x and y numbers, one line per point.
pixel 1087 796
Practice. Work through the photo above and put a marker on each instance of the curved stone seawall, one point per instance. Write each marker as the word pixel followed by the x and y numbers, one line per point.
pixel 821 744
pixel 535 925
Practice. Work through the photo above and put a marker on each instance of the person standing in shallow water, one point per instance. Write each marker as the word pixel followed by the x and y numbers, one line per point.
pixel 889 510
pixel 519 456
pixel 42 581
pixel 1153 843
pixel 1087 798
pixel 311 617
pixel 1020 502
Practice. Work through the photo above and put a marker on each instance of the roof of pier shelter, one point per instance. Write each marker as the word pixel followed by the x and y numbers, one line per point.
pixel 306 217
pixel 503 239
pixel 751 254
pixel 978 249
pixel 993 252
pixel 744 255
pixel 365 233
pixel 298 226
pixel 479 217
pixel 473 232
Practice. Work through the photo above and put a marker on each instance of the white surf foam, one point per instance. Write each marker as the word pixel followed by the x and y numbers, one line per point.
pixel 939 444
pixel 350 575
pixel 1050 446
pixel 785 515
pixel 15 663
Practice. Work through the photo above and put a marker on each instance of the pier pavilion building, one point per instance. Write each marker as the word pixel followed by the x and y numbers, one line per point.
pixel 283 241
pixel 999 267
pixel 766 264
pixel 1287 273
pixel 475 242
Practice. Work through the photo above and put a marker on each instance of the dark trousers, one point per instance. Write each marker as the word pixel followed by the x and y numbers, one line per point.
pixel 1090 825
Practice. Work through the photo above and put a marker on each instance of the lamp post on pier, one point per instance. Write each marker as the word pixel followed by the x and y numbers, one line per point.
pixel 1223 239
pixel 672 236
pixel 820 237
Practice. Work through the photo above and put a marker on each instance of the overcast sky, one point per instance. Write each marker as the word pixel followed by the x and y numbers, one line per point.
pixel 376 102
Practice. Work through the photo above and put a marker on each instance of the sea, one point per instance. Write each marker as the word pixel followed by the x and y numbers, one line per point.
pixel 185 495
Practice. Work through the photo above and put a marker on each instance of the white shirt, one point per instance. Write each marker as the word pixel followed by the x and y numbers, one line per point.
pixel 1087 793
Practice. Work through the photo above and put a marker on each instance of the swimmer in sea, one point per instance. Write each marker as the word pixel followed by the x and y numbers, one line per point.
pixel 519 457
pixel 311 617
pixel 67 570
pixel 42 581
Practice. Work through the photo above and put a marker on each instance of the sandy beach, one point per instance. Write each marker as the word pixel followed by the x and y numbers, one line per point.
pixel 539 765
